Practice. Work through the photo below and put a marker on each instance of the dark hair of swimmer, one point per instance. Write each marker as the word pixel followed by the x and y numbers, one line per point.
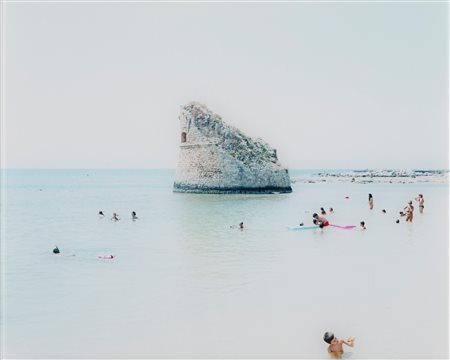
pixel 383 211
pixel 100 213
pixel 315 215
pixel 328 337
pixel 133 213
pixel 398 221
pixel 370 196
pixel 56 250
pixel 362 223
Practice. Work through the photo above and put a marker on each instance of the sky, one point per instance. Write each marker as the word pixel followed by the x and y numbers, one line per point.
pixel 329 85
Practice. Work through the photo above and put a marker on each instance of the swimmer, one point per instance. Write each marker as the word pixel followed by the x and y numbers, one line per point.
pixel 320 220
pixel 322 211
pixel 370 201
pixel 109 257
pixel 383 211
pixel 331 210
pixel 133 216
pixel 115 217
pixel 363 225
pixel 56 250
pixel 301 224
pixel 240 226
pixel 336 348
pixel 421 200
pixel 101 215
pixel 397 221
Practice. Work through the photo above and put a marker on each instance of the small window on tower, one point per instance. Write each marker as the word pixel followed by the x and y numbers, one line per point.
pixel 183 137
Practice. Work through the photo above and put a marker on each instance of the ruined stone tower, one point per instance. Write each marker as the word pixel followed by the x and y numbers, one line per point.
pixel 216 158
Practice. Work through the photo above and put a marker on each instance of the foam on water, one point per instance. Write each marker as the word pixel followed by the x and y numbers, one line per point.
pixel 183 284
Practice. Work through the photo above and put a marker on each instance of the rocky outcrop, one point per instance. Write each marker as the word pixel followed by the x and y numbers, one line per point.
pixel 216 158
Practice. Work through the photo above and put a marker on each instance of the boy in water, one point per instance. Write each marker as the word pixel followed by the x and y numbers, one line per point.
pixel 362 224
pixel 320 220
pixel 336 348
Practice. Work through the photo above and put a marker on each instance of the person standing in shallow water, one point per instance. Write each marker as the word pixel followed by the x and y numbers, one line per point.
pixel 370 201
pixel 421 201
pixel 409 211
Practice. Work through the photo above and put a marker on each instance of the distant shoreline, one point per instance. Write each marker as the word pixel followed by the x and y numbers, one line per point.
pixel 376 177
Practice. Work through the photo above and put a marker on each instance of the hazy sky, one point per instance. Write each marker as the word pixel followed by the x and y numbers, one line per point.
pixel 329 85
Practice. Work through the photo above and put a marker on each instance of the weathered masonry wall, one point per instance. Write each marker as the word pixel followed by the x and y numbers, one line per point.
pixel 213 158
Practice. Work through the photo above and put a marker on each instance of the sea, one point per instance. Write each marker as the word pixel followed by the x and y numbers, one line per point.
pixel 184 284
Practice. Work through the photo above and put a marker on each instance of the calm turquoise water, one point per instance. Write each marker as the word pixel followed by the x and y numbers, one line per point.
pixel 183 284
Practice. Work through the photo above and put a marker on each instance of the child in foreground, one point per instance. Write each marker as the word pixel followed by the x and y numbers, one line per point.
pixel 336 348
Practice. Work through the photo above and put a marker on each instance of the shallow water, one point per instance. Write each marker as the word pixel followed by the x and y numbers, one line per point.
pixel 183 284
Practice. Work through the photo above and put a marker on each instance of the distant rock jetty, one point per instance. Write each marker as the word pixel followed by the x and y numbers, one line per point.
pixel 377 176
pixel 216 158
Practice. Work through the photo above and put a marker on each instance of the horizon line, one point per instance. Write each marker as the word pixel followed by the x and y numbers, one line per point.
pixel 167 168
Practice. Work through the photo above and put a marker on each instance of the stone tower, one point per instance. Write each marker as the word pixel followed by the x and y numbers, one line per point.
pixel 216 158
